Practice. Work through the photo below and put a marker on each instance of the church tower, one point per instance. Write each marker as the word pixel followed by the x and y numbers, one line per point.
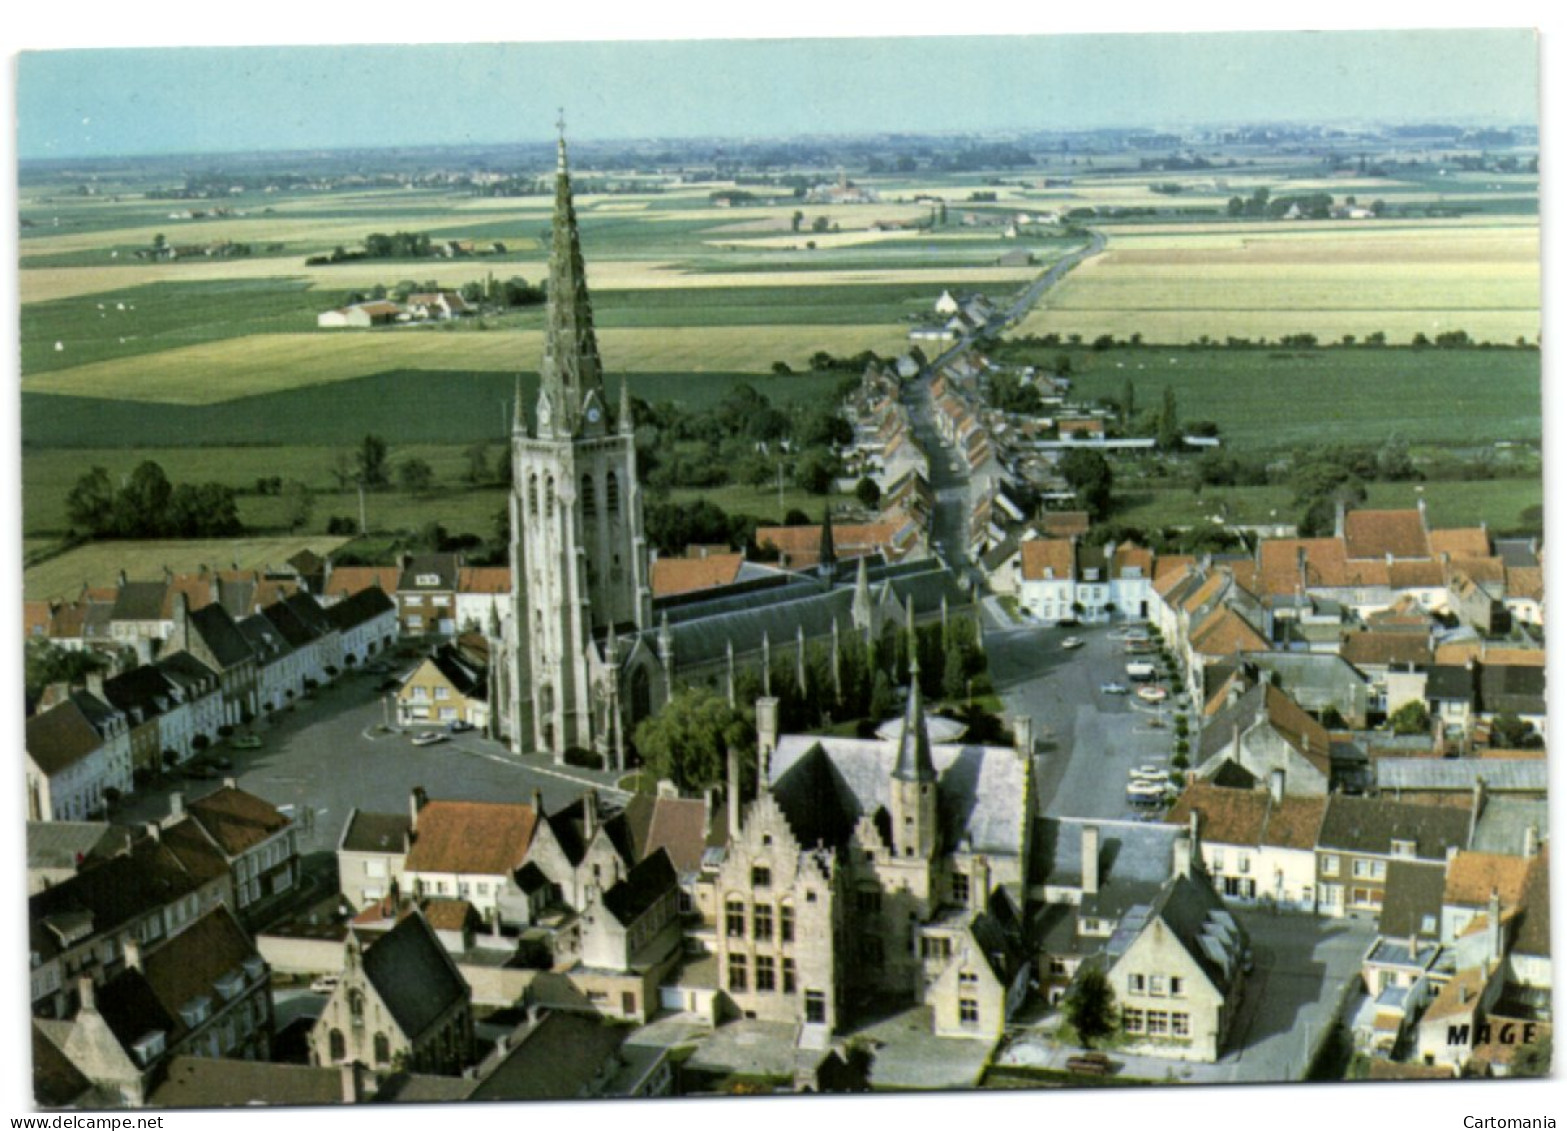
pixel 578 554
pixel 913 808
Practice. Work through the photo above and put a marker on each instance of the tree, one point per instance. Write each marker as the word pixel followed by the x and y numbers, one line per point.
pixel 90 505
pixel 478 457
pixel 141 508
pixel 370 462
pixel 688 741
pixel 1534 1059
pixel 820 224
pixel 954 671
pixel 415 476
pixel 883 704
pixel 796 220
pixel 815 472
pixel 1090 1006
pixel 1168 426
pixel 47 663
pixel 868 493
pixel 1509 732
pixel 298 504
pixel 1411 718
pixel 1128 404
pixel 1090 477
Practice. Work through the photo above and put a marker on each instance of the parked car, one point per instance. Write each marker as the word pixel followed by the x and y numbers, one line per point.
pixel 1151 774
pixel 429 738
pixel 1113 688
pixel 1071 642
pixel 324 984
pixel 1152 694
pixel 459 726
pixel 247 742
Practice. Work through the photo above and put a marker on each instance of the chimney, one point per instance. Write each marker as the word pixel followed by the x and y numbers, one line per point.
pixel 1276 786
pixel 230 783
pixel 177 804
pixel 86 995
pixel 1338 519
pixel 1390 559
pixel 353 1082
pixel 1421 504
pixel 1090 859
pixel 667 789
pixel 1023 735
pixel 95 684
pixel 733 784
pixel 1531 841
pixel 417 800
pixel 154 830
pixel 1181 864
pixel 979 884
pixel 132 950
pixel 1414 948
pixel 1493 928
pixel 537 801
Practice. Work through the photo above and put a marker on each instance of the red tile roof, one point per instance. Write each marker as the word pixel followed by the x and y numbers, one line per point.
pixel 1383 648
pixel 1376 534
pixel 473 837
pixel 799 547
pixel 1471 877
pixel 1463 542
pixel 1047 559
pixel 345 581
pixel 684 575
pixel 1063 524
pixel 484 579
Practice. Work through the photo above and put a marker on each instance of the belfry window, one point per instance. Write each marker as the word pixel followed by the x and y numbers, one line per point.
pixel 533 495
pixel 589 499
pixel 612 494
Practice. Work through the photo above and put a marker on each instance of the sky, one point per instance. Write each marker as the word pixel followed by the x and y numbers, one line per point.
pixel 117 102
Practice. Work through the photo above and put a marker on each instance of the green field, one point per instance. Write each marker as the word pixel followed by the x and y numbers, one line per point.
pixel 1497 502
pixel 1272 399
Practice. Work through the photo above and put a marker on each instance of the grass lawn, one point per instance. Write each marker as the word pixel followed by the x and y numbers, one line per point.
pixel 99 563
pixel 1271 399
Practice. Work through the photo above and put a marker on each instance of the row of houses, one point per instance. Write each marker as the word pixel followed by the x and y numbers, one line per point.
pixel 86 747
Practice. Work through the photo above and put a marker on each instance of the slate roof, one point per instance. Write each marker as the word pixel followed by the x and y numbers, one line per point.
pixel 375 832
pixel 56 1081
pixel 290 626
pixel 646 883
pixel 1130 852
pixel 413 975
pixel 555 1060
pixel 204 1081
pixel 569 824
pixel 1534 934
pixel 266 642
pixel 443 568
pixel 824 785
pixel 1515 775
pixel 195 851
pixel 1369 825
pixel 105 896
pixel 187 672
pixel 182 969
pixel 469 681
pixel 140 601
pixel 360 608
pixel 1414 893
pixel 235 820
pixel 477 837
pixel 60 737
pixel 59 844
pixel 1504 821
pixel 1299 729
pixel 1196 916
pixel 217 629
pixel 1515 688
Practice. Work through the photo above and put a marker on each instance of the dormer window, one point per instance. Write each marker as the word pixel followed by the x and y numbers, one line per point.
pixel 1404 849
pixel 230 985
pixel 761 876
pixel 195 1011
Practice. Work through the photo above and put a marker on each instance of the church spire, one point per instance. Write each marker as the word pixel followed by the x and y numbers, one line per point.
pixel 827 559
pixel 571 369
pixel 914 761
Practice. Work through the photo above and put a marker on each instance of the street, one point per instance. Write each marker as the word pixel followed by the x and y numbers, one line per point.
pixel 328 755
pixel 1088 740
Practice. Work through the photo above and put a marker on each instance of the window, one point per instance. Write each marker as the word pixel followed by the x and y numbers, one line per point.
pixel 762 925
pixel 936 946
pixel 1136 984
pixel 1158 1023
pixel 1180 1024
pixel 967 978
pixel 1156 985
pixel 765 982
pixel 734 919
pixel 815 1007
pixel 383 1049
pixel 337 1046
pixel 959 887
pixel 589 498
pixel 737 972
pixel 1177 987
pixel 786 923
pixel 1330 865
pixel 612 494
pixel 443 693
pixel 1245 864
pixel 788 975
pixel 356 1007
pixel 1404 849
pixel 761 876
pixel 968 1011
pixel 1362 869
pixel 1218 861
pixel 1132 1020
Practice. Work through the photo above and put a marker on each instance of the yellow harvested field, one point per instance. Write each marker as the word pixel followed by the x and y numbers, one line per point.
pixel 1252 283
pixel 796 241
pixel 45 284
pixel 264 363
pixel 99 563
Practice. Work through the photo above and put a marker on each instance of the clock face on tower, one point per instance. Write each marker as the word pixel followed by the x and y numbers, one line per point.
pixel 593 415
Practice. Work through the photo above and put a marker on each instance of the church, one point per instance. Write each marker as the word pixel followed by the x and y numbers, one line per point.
pixel 585 652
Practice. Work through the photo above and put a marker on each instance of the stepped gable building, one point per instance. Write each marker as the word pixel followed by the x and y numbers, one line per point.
pixel 585 652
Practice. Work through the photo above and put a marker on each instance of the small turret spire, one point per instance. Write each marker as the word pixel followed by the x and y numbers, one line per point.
pixel 627 425
pixel 827 559
pixel 560 144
